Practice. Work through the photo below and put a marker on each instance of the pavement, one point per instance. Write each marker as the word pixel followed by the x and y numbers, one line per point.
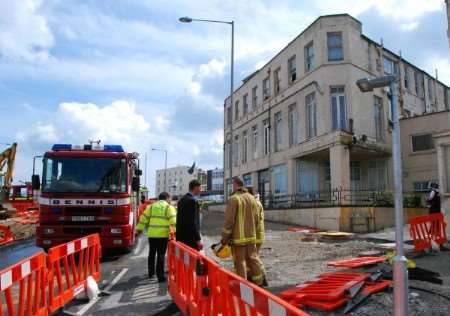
pixel 131 292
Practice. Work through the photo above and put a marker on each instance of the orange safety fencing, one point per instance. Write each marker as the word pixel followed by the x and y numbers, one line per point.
pixel 69 266
pixel 200 287
pixel 27 279
pixel 6 236
pixel 43 284
pixel 428 228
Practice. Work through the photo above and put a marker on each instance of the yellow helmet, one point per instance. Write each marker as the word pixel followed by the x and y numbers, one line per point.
pixel 221 251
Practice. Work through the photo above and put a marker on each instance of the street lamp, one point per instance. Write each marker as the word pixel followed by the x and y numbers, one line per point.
pixel 400 261
pixel 165 166
pixel 189 20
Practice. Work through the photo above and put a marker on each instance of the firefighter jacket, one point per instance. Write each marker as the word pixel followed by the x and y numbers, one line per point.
pixel 158 217
pixel 241 219
pixel 260 233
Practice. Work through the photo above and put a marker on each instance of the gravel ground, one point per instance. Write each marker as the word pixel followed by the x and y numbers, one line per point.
pixel 289 261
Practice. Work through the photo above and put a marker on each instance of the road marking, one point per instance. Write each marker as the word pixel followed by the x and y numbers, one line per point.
pixel 138 247
pixel 113 282
pixel 116 279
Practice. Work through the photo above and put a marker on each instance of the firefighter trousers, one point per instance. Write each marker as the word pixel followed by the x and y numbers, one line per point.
pixel 245 259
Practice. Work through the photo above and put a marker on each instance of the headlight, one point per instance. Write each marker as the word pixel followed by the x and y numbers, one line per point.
pixel 116 231
pixel 49 231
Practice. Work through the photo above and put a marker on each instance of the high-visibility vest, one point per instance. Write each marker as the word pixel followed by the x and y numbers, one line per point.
pixel 158 217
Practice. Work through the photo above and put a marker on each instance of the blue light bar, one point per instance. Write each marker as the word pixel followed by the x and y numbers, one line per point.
pixel 57 147
pixel 113 148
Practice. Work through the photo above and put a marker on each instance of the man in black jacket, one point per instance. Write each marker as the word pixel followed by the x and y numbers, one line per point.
pixel 188 219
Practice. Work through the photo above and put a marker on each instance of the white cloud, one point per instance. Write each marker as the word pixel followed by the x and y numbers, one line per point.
pixel 78 123
pixel 196 87
pixel 213 67
pixel 24 32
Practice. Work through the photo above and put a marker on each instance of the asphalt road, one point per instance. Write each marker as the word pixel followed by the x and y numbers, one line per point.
pixel 131 293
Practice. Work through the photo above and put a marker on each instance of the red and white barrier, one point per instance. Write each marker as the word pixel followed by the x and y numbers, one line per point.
pixel 25 279
pixel 69 266
pixel 200 287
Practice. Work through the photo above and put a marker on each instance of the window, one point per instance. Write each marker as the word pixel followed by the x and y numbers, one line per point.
pixel 255 96
pixel 334 42
pixel 278 131
pixel 377 175
pixel 416 83
pixel 338 109
pixel 279 174
pixel 309 57
pixel 407 81
pixel 422 142
pixel 229 155
pixel 311 115
pixel 229 116
pixel 236 110
pixel 292 69
pixel 266 137
pixel 390 67
pixel 255 141
pixel 421 186
pixel 236 151
pixel 276 81
pixel 266 88
pixel 378 118
pixel 245 103
pixel 293 125
pixel 430 90
pixel 355 171
pixel 244 147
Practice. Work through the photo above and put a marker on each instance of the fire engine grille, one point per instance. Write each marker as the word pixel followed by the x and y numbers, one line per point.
pixel 81 230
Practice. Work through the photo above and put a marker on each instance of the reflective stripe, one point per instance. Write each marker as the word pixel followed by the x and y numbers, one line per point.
pixel 227 231
pixel 159 226
pixel 240 218
pixel 247 294
pixel 244 240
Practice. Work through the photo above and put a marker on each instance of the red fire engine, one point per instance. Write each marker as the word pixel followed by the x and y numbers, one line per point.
pixel 88 189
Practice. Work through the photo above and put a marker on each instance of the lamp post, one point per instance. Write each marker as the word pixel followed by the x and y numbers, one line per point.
pixel 165 166
pixel 400 261
pixel 189 20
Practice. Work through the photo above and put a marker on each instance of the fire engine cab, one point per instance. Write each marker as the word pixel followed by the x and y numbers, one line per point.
pixel 88 189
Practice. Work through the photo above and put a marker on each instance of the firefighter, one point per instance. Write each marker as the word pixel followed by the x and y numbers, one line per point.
pixel 260 231
pixel 160 218
pixel 239 231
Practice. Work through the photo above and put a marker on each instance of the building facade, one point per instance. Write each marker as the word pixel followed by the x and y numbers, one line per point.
pixel 419 153
pixel 299 126
pixel 215 181
pixel 178 178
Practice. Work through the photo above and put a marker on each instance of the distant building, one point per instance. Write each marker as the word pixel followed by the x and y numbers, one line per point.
pixel 178 179
pixel 215 181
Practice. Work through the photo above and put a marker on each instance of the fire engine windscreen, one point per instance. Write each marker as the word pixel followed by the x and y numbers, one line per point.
pixel 86 175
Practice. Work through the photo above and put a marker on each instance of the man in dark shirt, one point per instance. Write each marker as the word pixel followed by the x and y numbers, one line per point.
pixel 188 220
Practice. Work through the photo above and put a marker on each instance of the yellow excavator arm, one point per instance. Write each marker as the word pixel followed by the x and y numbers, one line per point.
pixel 7 158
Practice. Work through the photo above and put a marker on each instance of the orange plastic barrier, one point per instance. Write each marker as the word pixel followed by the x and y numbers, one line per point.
pixel 6 236
pixel 200 287
pixel 356 262
pixel 22 287
pixel 69 265
pixel 424 229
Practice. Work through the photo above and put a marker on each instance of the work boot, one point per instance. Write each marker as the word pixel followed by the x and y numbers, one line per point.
pixel 264 282
pixel 162 280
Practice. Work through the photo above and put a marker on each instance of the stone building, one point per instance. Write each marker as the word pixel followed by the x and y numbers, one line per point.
pixel 178 178
pixel 300 130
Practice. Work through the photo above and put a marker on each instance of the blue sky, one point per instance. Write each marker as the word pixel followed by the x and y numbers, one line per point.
pixel 128 72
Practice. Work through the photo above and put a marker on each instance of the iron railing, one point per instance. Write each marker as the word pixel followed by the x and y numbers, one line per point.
pixel 335 198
